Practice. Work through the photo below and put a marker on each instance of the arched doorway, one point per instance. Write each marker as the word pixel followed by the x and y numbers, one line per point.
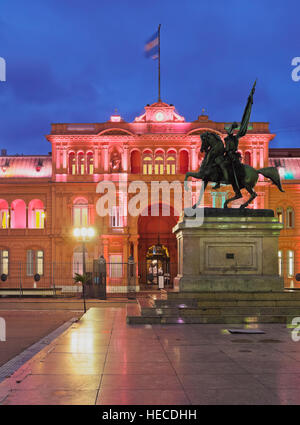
pixel 157 248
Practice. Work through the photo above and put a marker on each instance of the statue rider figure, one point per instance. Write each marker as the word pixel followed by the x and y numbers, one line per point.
pixel 232 141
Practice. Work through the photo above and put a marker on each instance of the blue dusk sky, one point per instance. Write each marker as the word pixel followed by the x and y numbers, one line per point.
pixel 76 61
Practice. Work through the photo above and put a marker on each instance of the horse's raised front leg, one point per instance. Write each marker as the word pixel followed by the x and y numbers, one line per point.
pixel 189 174
pixel 237 196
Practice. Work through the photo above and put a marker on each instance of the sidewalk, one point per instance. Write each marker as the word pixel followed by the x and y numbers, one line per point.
pixel 102 360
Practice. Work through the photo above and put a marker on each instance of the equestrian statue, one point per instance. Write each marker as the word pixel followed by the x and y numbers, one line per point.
pixel 222 163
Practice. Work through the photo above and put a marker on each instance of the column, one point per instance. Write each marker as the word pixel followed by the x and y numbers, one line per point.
pixel 105 159
pixel 26 224
pixel 125 158
pixel 254 157
pixel 58 153
pixel 213 195
pixel 194 158
pixel 261 157
pixel 105 249
pixel 9 217
pixel 64 157
pixel 96 159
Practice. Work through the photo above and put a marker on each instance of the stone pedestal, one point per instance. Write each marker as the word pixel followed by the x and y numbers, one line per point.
pixel 232 250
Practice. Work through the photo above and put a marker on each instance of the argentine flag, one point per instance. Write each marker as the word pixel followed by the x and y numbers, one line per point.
pixel 151 47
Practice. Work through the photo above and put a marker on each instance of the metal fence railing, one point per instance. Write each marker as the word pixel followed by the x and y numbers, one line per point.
pixel 57 279
pixel 109 278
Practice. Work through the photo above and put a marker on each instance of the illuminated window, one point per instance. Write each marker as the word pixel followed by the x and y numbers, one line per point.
pixel 115 266
pixel 290 263
pixel 159 165
pixel 80 213
pixel 116 219
pixel 39 219
pixel 90 162
pixel 290 218
pixel 81 165
pixel 18 214
pixel 280 262
pixel 72 163
pixel 4 217
pixel 36 214
pixel 3 261
pixel 279 213
pixel 34 262
pixel 4 214
pixel 171 164
pixel 147 165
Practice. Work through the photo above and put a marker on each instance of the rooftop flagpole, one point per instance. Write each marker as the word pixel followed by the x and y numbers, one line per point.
pixel 159 99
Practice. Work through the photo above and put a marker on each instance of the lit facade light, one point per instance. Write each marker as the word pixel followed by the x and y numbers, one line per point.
pixel 83 231
pixel 91 232
pixel 76 232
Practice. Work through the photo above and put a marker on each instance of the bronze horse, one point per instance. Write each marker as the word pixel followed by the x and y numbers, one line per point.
pixel 210 171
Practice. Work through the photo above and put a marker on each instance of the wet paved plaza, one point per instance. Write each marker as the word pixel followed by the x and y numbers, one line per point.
pixel 102 360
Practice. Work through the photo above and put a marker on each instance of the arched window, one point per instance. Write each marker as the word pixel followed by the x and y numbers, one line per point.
pixel 4 214
pixel 247 158
pixel 290 218
pixel 81 164
pixel 159 163
pixel 171 163
pixel 135 162
pixel 147 164
pixel 36 214
pixel 80 213
pixel 280 263
pixel 90 162
pixel 290 263
pixel 279 213
pixel 184 161
pixel 18 214
pixel 72 163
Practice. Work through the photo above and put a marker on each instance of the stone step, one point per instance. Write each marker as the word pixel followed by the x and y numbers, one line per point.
pixel 235 319
pixel 224 308
pixel 221 311
pixel 233 296
pixel 181 303
pixel 185 303
pixel 248 303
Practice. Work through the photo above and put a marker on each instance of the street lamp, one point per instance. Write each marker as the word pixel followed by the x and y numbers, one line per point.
pixel 83 234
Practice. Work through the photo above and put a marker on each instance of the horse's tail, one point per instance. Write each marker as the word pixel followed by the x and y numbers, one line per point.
pixel 272 174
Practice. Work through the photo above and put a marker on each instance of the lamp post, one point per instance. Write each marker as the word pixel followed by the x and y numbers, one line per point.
pixel 84 234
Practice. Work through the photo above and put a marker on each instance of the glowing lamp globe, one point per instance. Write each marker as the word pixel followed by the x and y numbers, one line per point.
pixel 90 232
pixel 76 232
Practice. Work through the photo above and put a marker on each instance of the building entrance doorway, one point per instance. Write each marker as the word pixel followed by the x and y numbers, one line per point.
pixel 158 264
pixel 157 248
